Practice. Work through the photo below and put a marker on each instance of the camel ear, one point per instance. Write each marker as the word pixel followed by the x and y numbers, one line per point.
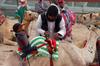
pixel 91 15
pixel 84 18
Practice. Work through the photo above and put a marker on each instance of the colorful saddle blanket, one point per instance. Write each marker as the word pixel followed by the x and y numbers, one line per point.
pixel 42 51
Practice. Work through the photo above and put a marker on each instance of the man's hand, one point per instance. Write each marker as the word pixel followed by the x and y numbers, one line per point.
pixel 57 36
pixel 46 34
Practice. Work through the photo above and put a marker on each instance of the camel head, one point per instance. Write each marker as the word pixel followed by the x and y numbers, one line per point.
pixel 30 16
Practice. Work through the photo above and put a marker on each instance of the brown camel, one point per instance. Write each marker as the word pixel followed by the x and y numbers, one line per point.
pixel 6 33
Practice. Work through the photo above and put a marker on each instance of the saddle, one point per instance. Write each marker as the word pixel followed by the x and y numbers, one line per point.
pixel 44 48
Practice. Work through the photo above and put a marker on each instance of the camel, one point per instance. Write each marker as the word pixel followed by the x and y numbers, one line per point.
pixel 5 32
pixel 7 25
pixel 69 54
pixel 88 19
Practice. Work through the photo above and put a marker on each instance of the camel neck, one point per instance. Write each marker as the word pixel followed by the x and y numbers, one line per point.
pixel 26 21
pixel 26 24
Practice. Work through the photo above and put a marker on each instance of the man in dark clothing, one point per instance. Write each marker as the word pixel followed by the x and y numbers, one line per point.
pixel 22 40
pixel 41 6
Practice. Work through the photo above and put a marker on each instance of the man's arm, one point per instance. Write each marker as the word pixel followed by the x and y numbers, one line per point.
pixel 39 23
pixel 62 30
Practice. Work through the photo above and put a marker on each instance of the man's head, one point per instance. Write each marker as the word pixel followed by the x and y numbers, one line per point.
pixel 52 13
pixel 60 3
pixel 23 3
pixel 16 27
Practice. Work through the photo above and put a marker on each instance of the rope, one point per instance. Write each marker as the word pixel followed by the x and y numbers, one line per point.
pixel 23 63
pixel 28 62
pixel 51 60
pixel 50 50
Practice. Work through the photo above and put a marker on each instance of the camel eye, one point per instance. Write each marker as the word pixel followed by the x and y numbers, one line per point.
pixel 30 14
pixel 84 18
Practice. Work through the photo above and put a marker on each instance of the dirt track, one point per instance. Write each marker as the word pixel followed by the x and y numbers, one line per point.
pixel 4 52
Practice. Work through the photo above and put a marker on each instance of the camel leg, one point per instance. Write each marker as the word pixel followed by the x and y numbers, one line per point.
pixel 1 38
pixel 9 42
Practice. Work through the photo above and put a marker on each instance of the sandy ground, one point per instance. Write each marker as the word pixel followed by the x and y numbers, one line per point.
pixel 5 50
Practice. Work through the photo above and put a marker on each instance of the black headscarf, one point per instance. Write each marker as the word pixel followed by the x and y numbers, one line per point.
pixel 52 11
pixel 16 26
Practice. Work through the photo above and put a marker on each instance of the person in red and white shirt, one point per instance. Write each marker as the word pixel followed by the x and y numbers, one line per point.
pixel 69 18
